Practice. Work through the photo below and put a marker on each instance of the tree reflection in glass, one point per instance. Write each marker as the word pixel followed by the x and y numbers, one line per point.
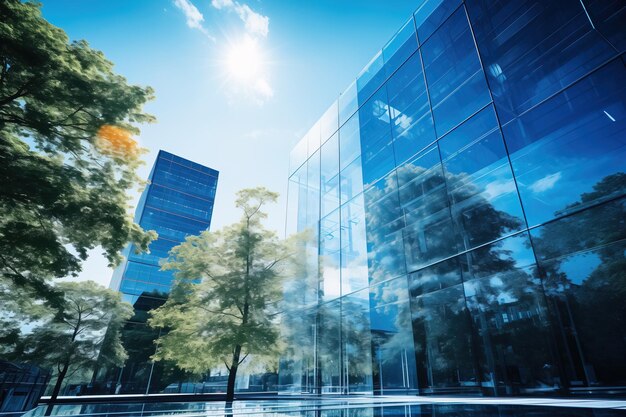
pixel 582 257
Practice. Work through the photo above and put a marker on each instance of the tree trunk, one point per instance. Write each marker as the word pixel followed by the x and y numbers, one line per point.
pixel 57 388
pixel 232 374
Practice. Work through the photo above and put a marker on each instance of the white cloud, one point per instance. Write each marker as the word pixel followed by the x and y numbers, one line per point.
pixel 192 15
pixel 255 23
pixel 545 183
pixel 220 4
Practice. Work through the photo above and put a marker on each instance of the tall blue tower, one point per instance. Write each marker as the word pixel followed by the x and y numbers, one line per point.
pixel 177 202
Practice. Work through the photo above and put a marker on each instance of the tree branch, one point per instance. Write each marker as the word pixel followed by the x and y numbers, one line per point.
pixel 206 272
pixel 15 271
pixel 70 115
pixel 256 210
pixel 19 93
pixel 239 308
pixel 243 359
pixel 219 312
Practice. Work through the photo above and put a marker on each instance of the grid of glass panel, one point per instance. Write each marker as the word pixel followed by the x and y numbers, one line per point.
pixel 177 202
pixel 468 208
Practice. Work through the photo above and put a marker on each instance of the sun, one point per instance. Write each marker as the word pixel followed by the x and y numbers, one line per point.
pixel 244 60
pixel 244 68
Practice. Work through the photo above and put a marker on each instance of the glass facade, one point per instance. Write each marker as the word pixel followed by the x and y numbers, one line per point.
pixel 177 202
pixel 465 209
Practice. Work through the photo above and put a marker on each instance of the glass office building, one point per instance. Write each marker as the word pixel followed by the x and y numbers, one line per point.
pixel 464 203
pixel 177 202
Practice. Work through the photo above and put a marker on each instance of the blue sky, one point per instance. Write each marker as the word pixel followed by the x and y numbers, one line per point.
pixel 243 125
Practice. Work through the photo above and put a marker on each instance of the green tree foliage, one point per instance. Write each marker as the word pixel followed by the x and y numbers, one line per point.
pixel 230 313
pixel 66 154
pixel 86 331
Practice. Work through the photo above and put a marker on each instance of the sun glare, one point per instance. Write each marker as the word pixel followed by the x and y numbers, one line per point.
pixel 244 60
pixel 245 68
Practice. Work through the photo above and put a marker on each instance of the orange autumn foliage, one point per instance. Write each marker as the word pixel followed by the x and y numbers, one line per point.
pixel 116 141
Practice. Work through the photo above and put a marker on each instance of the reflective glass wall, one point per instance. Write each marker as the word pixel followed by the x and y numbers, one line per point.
pixel 177 202
pixel 464 208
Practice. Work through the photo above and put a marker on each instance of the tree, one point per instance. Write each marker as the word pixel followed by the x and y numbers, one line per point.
pixel 18 311
pixel 67 157
pixel 85 331
pixel 230 313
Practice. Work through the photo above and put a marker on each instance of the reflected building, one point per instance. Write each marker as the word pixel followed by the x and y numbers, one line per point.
pixel 464 207
pixel 177 202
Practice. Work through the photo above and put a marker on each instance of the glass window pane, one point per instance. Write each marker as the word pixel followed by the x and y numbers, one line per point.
pixel 356 339
pixel 509 313
pixel 430 234
pixel 174 201
pixel 349 141
pixel 297 366
pixel 376 142
pixel 159 249
pixel 329 259
pixel 431 14
pixel 347 103
pixel 170 226
pixel 582 259
pixel 189 181
pixel 313 139
pixel 298 155
pixel 330 195
pixel 313 191
pixel 384 222
pixel 353 246
pixel 508 254
pixel 436 277
pixel 411 120
pixel 443 341
pixel 374 122
pixel 400 47
pixel 296 202
pixel 583 231
pixel 392 338
pixel 532 49
pixel 609 17
pixel 455 79
pixel 370 78
pixel 329 123
pixel 484 200
pixel 329 347
pixel 310 223
pixel 376 164
pixel 351 180
pixel 295 196
pixel 568 152
pixel 330 175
